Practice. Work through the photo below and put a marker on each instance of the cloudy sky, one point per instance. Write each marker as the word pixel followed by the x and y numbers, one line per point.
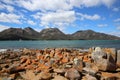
pixel 67 15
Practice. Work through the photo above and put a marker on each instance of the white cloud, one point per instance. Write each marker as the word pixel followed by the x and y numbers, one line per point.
pixel 117 20
pixel 37 15
pixel 9 8
pixel 116 33
pixel 116 9
pixel 118 27
pixel 102 25
pixel 63 16
pixel 89 17
pixel 117 23
pixel 51 13
pixel 10 18
pixel 45 5
pixel 31 22
pixel 2 27
pixel 108 3
pixel 8 1
pixel 85 3
pixel 91 3
pixel 57 19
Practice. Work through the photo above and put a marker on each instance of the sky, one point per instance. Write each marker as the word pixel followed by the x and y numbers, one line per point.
pixel 67 15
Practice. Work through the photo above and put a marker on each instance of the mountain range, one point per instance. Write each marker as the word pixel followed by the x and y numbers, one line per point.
pixel 52 34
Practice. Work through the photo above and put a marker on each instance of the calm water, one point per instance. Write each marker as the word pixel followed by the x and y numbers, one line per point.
pixel 60 43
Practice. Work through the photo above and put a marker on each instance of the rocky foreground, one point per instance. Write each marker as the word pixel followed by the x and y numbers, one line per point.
pixel 60 64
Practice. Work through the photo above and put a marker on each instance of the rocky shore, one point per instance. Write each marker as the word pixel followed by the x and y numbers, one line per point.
pixel 60 64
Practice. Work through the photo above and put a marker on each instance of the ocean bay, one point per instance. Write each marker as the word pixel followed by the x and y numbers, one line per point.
pixel 41 44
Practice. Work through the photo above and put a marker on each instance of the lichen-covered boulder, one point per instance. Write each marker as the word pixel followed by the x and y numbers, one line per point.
pixel 78 64
pixel 109 76
pixel 104 61
pixel 118 58
pixel 58 77
pixel 98 54
pixel 72 74
pixel 113 53
pixel 106 64
pixel 90 71
pixel 89 77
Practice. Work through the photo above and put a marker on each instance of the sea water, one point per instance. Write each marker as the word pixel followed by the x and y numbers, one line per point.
pixel 59 44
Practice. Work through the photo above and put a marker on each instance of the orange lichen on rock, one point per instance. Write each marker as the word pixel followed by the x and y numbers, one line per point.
pixel 23 60
pixel 86 58
pixel 30 67
pixel 64 60
pixel 63 63
pixel 28 61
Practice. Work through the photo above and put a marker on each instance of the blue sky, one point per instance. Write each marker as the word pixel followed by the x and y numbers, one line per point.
pixel 67 15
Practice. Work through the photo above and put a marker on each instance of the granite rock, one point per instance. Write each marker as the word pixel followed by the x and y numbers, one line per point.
pixel 118 58
pixel 72 74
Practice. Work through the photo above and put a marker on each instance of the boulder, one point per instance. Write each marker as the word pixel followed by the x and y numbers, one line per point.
pixel 78 64
pixel 106 64
pixel 45 75
pixel 111 63
pixel 72 74
pixel 60 71
pixel 118 58
pixel 64 60
pixel 58 77
pixel 98 49
pixel 109 76
pixel 98 54
pixel 67 66
pixel 16 69
pixel 0 68
pixel 3 50
pixel 26 51
pixel 89 77
pixel 90 71
pixel 83 50
pixel 29 75
pixel 52 60
pixel 104 61
pixel 113 53
pixel 12 76
pixel 88 65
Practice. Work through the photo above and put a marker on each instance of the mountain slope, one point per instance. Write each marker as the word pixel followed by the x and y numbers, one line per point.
pixel 18 33
pixel 52 34
pixel 11 34
pixel 30 33
pixel 91 35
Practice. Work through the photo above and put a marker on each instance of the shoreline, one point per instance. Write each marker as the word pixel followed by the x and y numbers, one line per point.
pixel 60 64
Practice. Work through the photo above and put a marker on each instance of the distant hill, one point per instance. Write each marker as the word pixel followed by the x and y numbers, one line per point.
pixel 30 33
pixel 18 33
pixel 52 34
pixel 92 35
